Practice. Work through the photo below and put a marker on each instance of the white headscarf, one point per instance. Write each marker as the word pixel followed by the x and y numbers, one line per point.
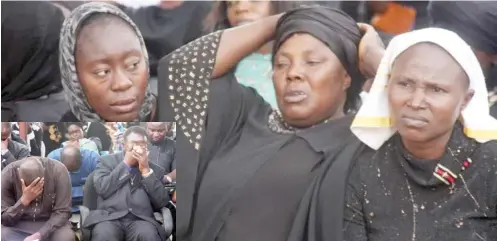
pixel 373 125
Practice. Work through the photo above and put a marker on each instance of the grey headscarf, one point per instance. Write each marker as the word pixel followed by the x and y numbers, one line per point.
pixel 74 93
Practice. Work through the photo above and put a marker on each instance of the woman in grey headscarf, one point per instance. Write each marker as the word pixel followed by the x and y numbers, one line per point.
pixel 104 66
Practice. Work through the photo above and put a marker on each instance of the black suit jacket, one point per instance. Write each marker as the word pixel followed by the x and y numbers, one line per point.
pixel 17 151
pixel 117 197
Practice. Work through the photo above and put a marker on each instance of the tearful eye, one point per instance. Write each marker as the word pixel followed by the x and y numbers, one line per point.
pixel 132 66
pixel 102 73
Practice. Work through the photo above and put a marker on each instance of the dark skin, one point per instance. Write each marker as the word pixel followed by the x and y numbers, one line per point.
pixel 74 133
pixel 427 92
pixel 236 43
pixel 136 153
pixel 309 80
pixel 156 131
pixel 6 132
pixel 112 69
pixel 243 12
pixel 71 157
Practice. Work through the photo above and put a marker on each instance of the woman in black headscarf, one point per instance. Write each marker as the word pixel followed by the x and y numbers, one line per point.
pixel 255 173
pixel 31 86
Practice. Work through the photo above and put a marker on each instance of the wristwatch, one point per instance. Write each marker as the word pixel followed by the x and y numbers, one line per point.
pixel 149 173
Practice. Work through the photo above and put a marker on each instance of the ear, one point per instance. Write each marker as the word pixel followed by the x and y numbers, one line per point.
pixel 347 81
pixel 467 98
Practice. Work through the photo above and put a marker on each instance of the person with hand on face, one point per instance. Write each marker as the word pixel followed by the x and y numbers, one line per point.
pixel 11 150
pixel 162 150
pixel 129 190
pixel 36 201
pixel 427 117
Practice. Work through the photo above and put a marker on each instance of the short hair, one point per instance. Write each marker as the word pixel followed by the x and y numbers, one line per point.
pixel 70 151
pixel 136 130
pixel 30 169
pixel 8 126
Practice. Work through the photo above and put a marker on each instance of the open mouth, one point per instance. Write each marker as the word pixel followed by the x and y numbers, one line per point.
pixel 295 96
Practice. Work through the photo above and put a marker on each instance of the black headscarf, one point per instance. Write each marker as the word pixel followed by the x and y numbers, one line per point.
pixel 30 49
pixel 334 28
pixel 473 21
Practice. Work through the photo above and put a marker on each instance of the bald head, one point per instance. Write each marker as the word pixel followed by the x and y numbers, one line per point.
pixel 156 131
pixel 30 169
pixel 70 156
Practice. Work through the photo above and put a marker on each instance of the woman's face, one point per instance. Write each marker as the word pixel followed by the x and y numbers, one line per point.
pixel 246 11
pixel 427 91
pixel 112 69
pixel 309 80
pixel 74 133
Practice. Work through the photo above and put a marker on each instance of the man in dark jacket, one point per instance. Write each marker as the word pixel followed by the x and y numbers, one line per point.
pixel 11 150
pixel 129 191
pixel 162 149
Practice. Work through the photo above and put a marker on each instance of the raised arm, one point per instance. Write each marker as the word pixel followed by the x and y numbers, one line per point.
pixel 238 42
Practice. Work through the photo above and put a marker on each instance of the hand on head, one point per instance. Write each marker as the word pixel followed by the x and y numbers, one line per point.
pixel 31 191
pixel 370 50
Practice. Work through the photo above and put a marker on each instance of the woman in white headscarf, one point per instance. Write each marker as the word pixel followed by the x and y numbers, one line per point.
pixel 434 175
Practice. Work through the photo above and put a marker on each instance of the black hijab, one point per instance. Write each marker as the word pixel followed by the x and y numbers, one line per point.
pixel 335 29
pixel 30 49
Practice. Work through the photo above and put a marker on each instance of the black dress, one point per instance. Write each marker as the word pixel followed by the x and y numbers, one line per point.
pixel 395 196
pixel 244 179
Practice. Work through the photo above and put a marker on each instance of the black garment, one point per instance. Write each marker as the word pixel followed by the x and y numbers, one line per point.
pixel 473 21
pixel 129 229
pixel 30 67
pixel 98 129
pixel 243 181
pixel 165 30
pixel 395 196
pixel 54 135
pixel 163 154
pixel 123 193
pixel 334 28
pixel 34 138
pixel 17 151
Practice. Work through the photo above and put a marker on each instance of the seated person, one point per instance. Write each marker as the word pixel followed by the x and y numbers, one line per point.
pixel 80 163
pixel 162 149
pixel 11 150
pixel 36 201
pixel 129 190
pixel 76 136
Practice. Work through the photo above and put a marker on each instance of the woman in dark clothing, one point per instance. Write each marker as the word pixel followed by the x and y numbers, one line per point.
pixel 104 66
pixel 434 176
pixel 31 86
pixel 255 173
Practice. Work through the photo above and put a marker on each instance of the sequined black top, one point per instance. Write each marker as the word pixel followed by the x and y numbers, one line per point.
pixel 243 173
pixel 396 197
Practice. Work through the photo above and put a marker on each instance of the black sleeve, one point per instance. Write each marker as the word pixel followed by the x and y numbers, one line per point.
pixel 197 103
pixel 354 219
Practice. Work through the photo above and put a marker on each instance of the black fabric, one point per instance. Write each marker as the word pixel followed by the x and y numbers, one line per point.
pixel 70 117
pixel 165 30
pixel 227 184
pixel 98 129
pixel 163 154
pixel 394 196
pixel 473 21
pixel 30 49
pixel 334 28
